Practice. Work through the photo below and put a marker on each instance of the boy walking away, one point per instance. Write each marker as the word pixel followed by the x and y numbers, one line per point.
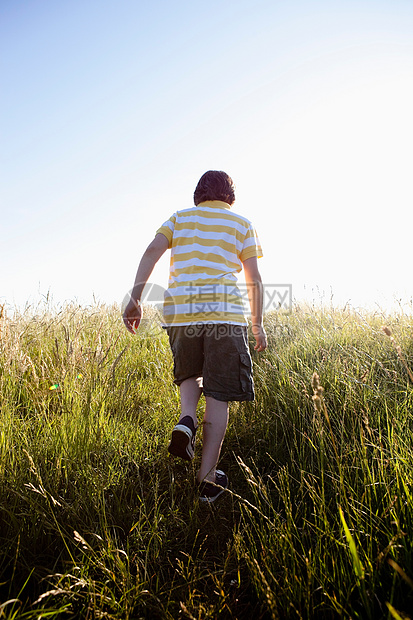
pixel 203 316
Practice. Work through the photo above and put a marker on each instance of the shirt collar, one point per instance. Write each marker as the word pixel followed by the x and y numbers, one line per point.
pixel 214 204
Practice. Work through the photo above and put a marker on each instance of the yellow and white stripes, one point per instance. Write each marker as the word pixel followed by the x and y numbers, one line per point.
pixel 208 245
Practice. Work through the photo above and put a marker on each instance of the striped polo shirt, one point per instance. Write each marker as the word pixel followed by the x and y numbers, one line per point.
pixel 208 246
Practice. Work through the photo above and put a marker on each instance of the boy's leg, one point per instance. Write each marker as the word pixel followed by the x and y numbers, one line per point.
pixel 226 377
pixel 214 428
pixel 190 394
pixel 182 442
pixel 187 350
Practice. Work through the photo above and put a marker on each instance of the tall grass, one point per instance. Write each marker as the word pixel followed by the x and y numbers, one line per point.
pixel 97 521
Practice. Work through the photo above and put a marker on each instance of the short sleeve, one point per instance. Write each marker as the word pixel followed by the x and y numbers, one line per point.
pixel 251 246
pixel 167 229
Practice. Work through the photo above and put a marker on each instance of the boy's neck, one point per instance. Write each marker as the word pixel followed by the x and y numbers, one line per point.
pixel 215 204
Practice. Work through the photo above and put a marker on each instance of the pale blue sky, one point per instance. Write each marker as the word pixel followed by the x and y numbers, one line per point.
pixel 111 111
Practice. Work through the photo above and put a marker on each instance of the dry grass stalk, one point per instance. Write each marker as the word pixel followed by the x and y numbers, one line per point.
pixel 320 406
pixel 399 351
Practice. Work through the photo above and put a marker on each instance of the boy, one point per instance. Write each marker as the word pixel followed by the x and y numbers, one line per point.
pixel 204 318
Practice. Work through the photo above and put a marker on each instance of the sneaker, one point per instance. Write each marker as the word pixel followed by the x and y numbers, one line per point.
pixel 209 491
pixel 182 442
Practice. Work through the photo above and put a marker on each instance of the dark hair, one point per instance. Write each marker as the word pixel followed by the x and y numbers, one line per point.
pixel 215 185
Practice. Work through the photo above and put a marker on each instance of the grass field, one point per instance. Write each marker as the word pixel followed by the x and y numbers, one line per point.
pixel 97 521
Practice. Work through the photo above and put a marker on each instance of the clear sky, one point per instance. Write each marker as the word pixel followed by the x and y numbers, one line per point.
pixel 110 111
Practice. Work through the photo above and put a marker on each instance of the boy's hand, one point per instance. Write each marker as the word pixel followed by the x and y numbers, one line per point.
pixel 260 336
pixel 132 316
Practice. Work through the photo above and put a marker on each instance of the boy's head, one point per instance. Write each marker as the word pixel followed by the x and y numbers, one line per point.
pixel 215 185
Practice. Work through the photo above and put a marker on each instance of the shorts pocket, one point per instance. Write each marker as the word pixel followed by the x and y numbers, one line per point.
pixel 245 370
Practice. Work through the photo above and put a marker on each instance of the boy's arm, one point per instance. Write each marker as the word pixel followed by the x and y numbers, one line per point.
pixel 255 296
pixel 133 312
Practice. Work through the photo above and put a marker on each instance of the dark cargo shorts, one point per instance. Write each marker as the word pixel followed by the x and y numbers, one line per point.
pixel 216 352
